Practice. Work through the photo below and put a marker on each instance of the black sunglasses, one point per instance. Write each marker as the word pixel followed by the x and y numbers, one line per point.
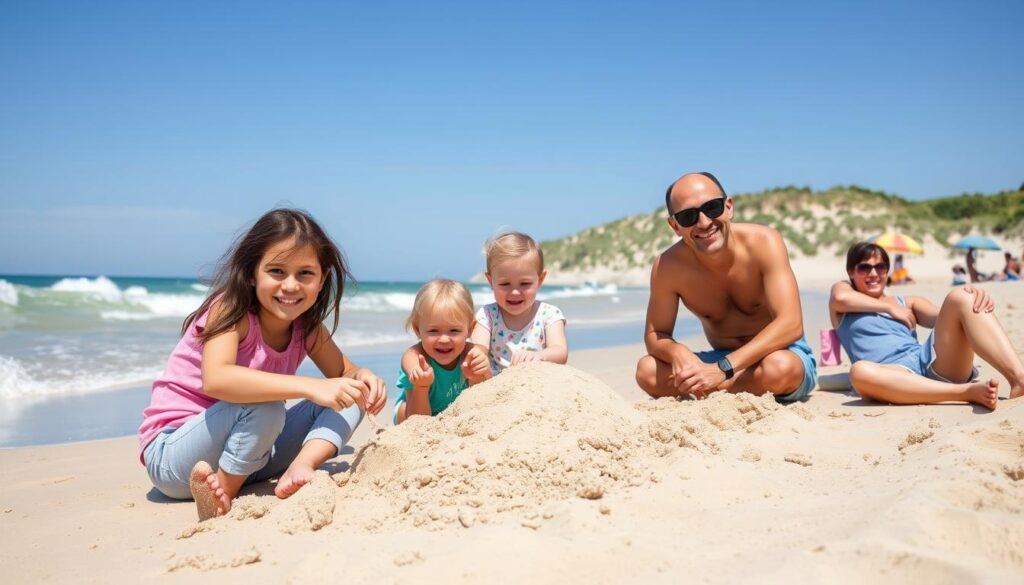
pixel 865 268
pixel 712 209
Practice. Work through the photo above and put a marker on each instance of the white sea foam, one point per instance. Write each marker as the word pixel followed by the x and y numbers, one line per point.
pixel 101 288
pixel 17 382
pixel 8 294
pixel 372 302
pixel 580 291
pixel 146 306
pixel 136 302
pixel 201 288
pixel 348 339
pixel 379 302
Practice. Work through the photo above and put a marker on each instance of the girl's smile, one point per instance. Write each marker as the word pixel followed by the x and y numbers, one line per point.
pixel 515 283
pixel 287 282
pixel 443 337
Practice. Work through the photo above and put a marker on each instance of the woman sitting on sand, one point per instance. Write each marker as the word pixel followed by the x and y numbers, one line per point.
pixel 878 332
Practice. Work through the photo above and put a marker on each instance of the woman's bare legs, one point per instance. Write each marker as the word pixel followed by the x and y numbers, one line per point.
pixel 889 383
pixel 960 333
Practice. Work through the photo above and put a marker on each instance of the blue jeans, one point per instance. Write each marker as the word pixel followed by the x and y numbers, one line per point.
pixel 256 440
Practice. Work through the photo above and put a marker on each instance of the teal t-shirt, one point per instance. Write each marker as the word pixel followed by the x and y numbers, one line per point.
pixel 447 386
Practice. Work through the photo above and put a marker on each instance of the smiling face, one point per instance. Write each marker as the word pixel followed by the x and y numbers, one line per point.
pixel 443 335
pixel 287 282
pixel 869 275
pixel 515 282
pixel 707 235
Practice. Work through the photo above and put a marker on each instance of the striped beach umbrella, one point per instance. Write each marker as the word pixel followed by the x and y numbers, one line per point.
pixel 897 242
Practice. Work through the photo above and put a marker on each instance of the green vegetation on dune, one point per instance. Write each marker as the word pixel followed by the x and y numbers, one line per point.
pixel 811 223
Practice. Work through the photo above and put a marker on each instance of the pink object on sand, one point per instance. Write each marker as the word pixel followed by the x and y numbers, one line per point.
pixel 830 348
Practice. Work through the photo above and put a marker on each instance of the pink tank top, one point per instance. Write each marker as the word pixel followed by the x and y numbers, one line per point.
pixel 178 393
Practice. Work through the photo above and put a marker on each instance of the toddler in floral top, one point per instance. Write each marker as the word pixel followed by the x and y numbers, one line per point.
pixel 516 328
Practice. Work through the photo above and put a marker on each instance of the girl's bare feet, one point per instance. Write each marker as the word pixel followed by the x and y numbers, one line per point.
pixel 297 475
pixel 206 491
pixel 984 394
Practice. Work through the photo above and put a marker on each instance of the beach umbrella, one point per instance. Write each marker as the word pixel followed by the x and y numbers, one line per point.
pixel 897 242
pixel 977 242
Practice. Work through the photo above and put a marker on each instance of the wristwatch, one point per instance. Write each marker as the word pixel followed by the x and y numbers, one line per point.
pixel 726 366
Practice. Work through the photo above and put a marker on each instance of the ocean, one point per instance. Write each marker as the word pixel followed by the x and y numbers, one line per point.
pixel 78 353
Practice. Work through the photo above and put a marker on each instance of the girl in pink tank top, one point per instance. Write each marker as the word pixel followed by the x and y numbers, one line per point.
pixel 217 416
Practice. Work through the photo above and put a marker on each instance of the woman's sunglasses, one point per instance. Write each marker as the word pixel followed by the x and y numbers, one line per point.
pixel 865 268
pixel 712 209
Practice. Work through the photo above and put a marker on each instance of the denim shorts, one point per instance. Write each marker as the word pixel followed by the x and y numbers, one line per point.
pixel 925 365
pixel 802 351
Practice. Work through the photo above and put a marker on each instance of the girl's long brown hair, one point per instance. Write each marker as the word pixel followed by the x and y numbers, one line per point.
pixel 232 283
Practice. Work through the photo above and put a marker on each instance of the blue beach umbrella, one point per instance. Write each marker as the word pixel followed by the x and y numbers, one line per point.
pixel 977 242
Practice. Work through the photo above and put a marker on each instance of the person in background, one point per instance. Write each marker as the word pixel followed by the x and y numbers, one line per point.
pixel 959 275
pixel 900 274
pixel 1011 270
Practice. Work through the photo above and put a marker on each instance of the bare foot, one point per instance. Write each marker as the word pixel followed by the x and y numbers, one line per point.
pixel 986 395
pixel 206 491
pixel 294 478
pixel 1017 391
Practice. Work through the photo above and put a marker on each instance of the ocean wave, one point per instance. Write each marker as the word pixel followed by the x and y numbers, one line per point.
pixel 580 291
pixel 17 382
pixel 101 288
pixel 379 302
pixel 133 303
pixel 347 340
pixel 146 306
pixel 383 302
pixel 8 294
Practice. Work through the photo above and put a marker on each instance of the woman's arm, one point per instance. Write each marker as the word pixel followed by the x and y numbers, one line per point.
pixel 844 299
pixel 924 311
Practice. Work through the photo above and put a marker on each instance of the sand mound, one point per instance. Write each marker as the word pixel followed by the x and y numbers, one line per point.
pixel 537 434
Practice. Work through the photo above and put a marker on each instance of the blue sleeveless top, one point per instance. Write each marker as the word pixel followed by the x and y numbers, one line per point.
pixel 879 338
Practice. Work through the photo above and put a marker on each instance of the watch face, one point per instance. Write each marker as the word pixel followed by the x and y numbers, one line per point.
pixel 725 366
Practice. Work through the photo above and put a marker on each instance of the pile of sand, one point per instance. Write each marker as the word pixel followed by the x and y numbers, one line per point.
pixel 537 434
pixel 733 483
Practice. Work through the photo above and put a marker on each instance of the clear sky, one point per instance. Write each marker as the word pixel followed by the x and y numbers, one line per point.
pixel 137 138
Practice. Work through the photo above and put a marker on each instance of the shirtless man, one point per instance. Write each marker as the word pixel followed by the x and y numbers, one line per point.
pixel 737 280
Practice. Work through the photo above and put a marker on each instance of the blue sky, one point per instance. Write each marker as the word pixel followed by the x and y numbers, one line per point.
pixel 138 138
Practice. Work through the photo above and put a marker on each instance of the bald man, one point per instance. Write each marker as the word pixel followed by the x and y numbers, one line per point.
pixel 737 280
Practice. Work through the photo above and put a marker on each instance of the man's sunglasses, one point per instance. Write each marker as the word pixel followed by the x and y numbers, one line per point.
pixel 712 209
pixel 865 268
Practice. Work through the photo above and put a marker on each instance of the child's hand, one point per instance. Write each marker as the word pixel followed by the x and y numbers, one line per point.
pixel 525 356
pixel 376 394
pixel 339 393
pixel 423 375
pixel 476 367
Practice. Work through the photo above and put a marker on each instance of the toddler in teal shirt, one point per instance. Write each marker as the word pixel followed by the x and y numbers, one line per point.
pixel 436 370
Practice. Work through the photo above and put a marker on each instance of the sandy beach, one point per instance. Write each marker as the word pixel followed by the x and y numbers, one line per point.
pixel 569 474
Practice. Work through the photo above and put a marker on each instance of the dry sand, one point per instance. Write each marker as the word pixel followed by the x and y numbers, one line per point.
pixel 567 474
